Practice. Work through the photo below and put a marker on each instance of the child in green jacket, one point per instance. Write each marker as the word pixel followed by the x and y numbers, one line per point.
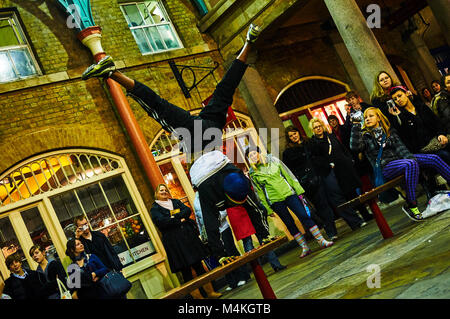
pixel 279 190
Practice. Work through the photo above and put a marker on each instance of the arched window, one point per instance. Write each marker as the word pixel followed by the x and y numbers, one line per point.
pixel 40 197
pixel 311 96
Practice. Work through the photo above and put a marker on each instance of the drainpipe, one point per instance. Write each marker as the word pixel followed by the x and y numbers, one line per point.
pixel 90 35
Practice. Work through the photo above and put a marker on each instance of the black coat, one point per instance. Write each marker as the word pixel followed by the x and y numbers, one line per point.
pixel 346 175
pixel 443 109
pixel 54 269
pixel 102 248
pixel 298 159
pixel 180 239
pixel 32 287
pixel 416 131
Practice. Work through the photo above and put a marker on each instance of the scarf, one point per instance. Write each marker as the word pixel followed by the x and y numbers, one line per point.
pixel 167 204
pixel 80 256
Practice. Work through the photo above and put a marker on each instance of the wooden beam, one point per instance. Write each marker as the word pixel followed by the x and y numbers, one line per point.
pixel 373 193
pixel 219 272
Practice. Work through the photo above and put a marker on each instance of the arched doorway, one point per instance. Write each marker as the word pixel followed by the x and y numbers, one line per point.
pixel 311 96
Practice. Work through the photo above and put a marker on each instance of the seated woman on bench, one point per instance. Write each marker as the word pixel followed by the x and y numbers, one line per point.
pixel 395 159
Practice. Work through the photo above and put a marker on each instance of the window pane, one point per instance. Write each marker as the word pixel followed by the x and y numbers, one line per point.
pixel 145 13
pixel 22 61
pixel 38 232
pixel 9 244
pixel 6 70
pixel 123 228
pixel 155 12
pixel 133 16
pixel 155 38
pixel 168 36
pixel 66 207
pixel 131 228
pixel 7 35
pixel 138 240
pixel 95 206
pixel 141 41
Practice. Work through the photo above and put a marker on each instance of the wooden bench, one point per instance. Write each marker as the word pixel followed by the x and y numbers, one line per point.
pixel 371 199
pixel 250 257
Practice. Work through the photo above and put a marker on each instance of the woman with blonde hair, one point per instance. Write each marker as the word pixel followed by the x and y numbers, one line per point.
pixel 180 238
pixel 394 158
pixel 333 162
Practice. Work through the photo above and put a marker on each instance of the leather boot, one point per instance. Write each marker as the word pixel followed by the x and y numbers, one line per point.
pixel 196 294
pixel 210 291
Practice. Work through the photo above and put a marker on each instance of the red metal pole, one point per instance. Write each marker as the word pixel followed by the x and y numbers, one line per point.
pixel 381 221
pixel 261 279
pixel 145 156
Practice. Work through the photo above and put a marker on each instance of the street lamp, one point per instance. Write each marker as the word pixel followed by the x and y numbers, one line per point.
pixel 80 17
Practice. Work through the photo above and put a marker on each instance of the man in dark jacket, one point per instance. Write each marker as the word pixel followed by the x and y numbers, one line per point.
pixel 96 243
pixel 23 283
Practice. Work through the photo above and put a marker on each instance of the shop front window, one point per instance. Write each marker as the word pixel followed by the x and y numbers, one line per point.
pixel 38 232
pixel 9 244
pixel 108 208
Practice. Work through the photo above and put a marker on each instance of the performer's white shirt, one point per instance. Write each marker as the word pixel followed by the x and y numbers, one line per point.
pixel 207 165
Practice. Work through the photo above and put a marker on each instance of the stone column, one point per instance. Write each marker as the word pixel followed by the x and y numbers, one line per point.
pixel 262 110
pixel 360 41
pixel 441 11
pixel 419 52
pixel 350 68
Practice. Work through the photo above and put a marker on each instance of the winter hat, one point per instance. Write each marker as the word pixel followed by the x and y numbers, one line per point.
pixel 236 187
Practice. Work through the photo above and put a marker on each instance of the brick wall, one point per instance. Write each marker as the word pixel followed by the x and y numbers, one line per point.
pixel 58 110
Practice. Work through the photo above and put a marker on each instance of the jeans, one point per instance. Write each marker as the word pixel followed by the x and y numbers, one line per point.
pixel 294 203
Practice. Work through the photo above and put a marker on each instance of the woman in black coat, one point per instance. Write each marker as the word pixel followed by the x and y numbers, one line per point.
pixel 297 157
pixel 333 162
pixel 180 237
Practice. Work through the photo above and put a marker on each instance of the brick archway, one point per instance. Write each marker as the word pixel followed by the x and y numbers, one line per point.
pixel 17 148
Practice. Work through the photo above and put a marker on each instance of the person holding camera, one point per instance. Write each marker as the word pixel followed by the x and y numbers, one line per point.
pixel 386 151
pixel 96 243
pixel 419 128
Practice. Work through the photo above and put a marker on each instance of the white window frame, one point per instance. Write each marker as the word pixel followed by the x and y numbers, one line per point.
pixel 12 17
pixel 167 22
pixel 60 239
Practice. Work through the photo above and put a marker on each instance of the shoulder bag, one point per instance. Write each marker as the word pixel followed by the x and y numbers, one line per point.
pixel 114 284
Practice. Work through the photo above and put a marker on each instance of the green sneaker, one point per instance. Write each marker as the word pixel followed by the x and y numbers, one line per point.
pixel 103 68
pixel 413 213
pixel 253 33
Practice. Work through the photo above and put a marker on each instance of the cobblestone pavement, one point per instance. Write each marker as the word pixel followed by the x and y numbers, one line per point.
pixel 415 263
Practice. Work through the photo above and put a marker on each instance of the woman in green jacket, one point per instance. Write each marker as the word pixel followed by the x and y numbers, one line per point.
pixel 279 190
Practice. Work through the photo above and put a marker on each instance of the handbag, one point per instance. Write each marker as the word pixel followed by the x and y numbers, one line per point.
pixel 64 293
pixel 434 145
pixel 114 284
